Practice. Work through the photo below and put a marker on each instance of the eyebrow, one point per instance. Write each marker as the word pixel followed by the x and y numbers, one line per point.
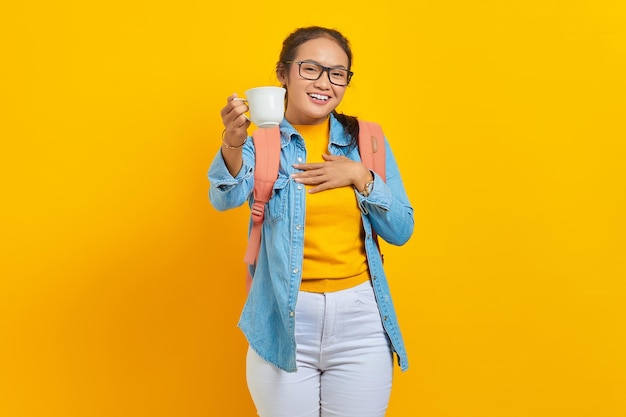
pixel 312 61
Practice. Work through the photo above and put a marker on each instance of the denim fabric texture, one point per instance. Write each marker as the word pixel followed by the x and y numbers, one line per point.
pixel 268 316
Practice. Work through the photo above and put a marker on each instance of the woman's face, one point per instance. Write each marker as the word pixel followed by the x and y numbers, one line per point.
pixel 311 101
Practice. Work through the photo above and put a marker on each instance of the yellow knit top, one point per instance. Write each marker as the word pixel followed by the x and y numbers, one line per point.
pixel 334 249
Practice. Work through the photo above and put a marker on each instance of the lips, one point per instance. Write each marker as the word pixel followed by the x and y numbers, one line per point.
pixel 321 97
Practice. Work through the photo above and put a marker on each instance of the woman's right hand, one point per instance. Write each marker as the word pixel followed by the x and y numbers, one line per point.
pixel 235 122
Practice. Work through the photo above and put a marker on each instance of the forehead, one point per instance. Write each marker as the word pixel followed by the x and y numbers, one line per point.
pixel 323 50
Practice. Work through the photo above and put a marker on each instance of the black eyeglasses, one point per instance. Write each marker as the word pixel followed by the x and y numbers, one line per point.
pixel 313 71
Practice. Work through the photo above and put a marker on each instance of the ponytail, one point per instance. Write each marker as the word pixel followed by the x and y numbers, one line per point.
pixel 350 126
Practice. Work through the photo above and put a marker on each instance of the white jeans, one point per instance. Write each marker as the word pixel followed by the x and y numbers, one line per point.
pixel 345 363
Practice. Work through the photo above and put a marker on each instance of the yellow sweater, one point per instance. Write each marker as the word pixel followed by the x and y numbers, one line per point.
pixel 334 250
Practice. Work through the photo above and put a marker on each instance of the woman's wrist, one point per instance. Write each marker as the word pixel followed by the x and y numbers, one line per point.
pixel 365 184
pixel 227 145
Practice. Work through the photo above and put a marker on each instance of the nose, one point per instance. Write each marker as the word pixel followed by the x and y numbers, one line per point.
pixel 324 80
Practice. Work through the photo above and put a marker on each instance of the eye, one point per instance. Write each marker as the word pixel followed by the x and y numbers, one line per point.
pixel 340 74
pixel 310 68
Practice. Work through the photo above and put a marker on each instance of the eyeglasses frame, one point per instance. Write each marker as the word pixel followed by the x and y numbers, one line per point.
pixel 324 70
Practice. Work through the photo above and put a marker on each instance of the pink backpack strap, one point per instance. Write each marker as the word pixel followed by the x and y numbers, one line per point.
pixel 372 147
pixel 267 150
pixel 372 151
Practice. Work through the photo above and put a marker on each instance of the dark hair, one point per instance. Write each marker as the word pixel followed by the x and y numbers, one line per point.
pixel 290 49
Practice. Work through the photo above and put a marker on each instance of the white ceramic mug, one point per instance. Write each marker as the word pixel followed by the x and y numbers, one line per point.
pixel 266 104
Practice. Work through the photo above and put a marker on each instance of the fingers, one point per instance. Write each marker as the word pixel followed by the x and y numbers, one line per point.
pixel 319 177
pixel 233 114
pixel 336 171
pixel 321 183
pixel 234 120
pixel 328 157
pixel 321 165
pixel 309 167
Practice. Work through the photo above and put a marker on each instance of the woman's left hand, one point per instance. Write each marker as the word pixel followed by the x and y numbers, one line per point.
pixel 336 171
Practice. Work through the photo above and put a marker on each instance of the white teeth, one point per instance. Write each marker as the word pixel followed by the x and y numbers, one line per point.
pixel 319 96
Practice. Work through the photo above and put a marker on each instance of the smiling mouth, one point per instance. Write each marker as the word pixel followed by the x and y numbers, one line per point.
pixel 319 97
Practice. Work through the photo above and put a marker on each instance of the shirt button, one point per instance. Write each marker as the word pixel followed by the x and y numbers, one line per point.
pixel 295 270
pixel 298 227
pixel 291 314
pixel 299 187
pixel 299 159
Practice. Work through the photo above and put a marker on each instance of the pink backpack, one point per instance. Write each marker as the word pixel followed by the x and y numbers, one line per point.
pixel 267 147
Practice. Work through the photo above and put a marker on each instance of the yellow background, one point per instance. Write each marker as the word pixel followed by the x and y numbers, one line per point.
pixel 121 287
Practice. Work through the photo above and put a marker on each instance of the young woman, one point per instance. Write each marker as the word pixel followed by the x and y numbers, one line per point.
pixel 319 320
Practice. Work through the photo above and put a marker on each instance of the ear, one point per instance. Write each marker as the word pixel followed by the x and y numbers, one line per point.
pixel 281 73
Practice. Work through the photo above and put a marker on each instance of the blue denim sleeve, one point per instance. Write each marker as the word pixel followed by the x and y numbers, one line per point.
pixel 226 191
pixel 388 207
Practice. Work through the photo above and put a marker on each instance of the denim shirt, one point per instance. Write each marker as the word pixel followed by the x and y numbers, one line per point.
pixel 268 316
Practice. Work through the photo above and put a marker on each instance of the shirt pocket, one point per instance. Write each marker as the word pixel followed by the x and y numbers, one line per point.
pixel 277 206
